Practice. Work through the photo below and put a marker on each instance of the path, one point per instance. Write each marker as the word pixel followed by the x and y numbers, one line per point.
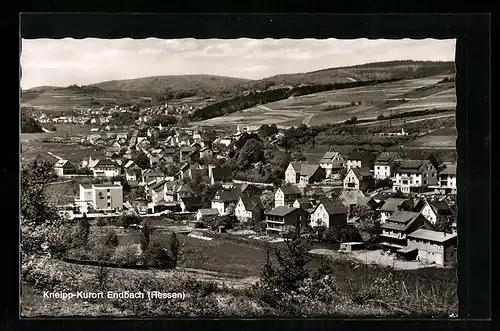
pixel 46 130
pixel 52 154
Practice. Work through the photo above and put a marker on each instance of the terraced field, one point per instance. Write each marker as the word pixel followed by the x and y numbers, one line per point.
pixel 340 105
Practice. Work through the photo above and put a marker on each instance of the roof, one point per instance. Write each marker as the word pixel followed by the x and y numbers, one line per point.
pixel 290 190
pixel 281 211
pixel 158 185
pixel 441 207
pixel 86 186
pixel 222 172
pixel 106 162
pixel 392 204
pixel 352 197
pixel 185 188
pixel 362 172
pixel 129 163
pixel 328 157
pixel 386 158
pixel 412 166
pixel 208 212
pixel 192 201
pixel 406 250
pixel 61 163
pixel 403 216
pixel 332 207
pixel 449 170
pixel 251 203
pixel 304 202
pixel 227 196
pixel 430 235
pixel 308 169
pixel 361 156
pixel 392 226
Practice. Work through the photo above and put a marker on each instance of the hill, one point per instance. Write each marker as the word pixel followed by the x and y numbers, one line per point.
pixel 363 72
pixel 162 84
pixel 29 124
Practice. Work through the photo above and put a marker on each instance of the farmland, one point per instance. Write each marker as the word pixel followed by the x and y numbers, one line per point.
pixel 334 106
pixel 72 152
pixel 440 139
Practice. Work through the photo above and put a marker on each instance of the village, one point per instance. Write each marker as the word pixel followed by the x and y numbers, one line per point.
pixel 408 204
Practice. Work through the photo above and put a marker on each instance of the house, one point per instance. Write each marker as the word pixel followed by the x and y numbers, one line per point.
pixel 350 199
pixel 188 204
pixel 226 141
pixel 249 208
pixel 433 247
pixel 247 189
pixel 184 191
pixel 220 174
pixel 392 205
pixel 191 170
pixel 359 179
pixel 121 135
pixel 303 173
pixel 185 151
pixel 204 214
pixel 205 153
pixel 279 217
pixel 448 179
pixel 223 198
pixel 303 203
pixel 436 211
pixel 414 176
pixel 360 159
pixel 106 168
pixel 286 195
pixel 328 213
pixel 398 226
pixel 101 197
pixel 454 227
pixel 384 165
pixel 332 162
pixel 132 172
pixel 194 156
pixel 149 175
pixel 64 167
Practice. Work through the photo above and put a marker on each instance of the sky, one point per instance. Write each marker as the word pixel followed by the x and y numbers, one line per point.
pixel 62 62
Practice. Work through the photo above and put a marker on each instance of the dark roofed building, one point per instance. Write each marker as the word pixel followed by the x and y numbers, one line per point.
pixel 303 203
pixel 249 208
pixel 190 203
pixel 280 217
pixel 220 174
pixel 286 195
pixel 399 225
pixel 360 159
pixel 328 213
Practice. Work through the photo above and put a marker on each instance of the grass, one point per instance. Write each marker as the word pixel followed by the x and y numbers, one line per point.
pixel 72 152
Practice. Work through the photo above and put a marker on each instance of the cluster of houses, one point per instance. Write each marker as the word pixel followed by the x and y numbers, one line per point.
pixel 315 195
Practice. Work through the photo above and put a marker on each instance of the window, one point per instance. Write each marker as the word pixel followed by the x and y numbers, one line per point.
pixel 433 174
pixel 425 181
pixel 378 168
pixel 425 175
pixel 108 190
pixel 109 204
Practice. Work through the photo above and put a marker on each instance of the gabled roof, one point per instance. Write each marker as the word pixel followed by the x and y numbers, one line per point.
pixel 290 190
pixel 392 204
pixel 86 186
pixel 106 163
pixel 449 170
pixel 159 185
pixel 308 169
pixel 386 158
pixel 331 207
pixel 192 201
pixel 129 164
pixel 402 216
pixel 281 211
pixel 412 166
pixel 297 166
pixel 61 163
pixel 361 172
pixel 226 196
pixel 251 203
pixel 351 197
pixel 433 236
pixel 441 208
pixel 304 203
pixel 329 156
pixel 185 188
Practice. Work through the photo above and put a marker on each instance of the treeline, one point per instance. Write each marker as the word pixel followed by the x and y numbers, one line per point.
pixel 171 95
pixel 254 98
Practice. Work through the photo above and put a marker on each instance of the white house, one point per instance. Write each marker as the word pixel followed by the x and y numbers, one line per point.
pixel 206 213
pixel 106 168
pixel 331 162
pixel 285 196
pixel 436 211
pixel 433 247
pixel 448 178
pixel 358 179
pixel 414 175
pixel 384 165
pixel 249 208
pixel 328 213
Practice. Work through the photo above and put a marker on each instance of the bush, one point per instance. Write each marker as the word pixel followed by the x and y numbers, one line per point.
pixel 157 256
pixel 127 255
pixel 110 239
pixel 100 221
pixel 101 252
pixel 128 220
pixel 380 117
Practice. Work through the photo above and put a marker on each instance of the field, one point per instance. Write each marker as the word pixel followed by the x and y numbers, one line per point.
pixel 440 139
pixel 72 152
pixel 362 102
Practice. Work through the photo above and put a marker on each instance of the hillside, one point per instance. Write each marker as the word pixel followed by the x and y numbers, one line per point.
pixel 364 72
pixel 29 124
pixel 162 84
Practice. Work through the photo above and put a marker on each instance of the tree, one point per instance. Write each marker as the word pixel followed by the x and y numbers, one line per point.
pixel 368 224
pixel 157 256
pixel 83 231
pixel 230 209
pixel 145 235
pixel 111 239
pixel 267 199
pixel 252 152
pixel 35 207
pixel 297 156
pixel 142 160
pixel 174 246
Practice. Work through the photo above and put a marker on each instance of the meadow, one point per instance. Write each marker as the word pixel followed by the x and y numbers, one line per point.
pixel 336 106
